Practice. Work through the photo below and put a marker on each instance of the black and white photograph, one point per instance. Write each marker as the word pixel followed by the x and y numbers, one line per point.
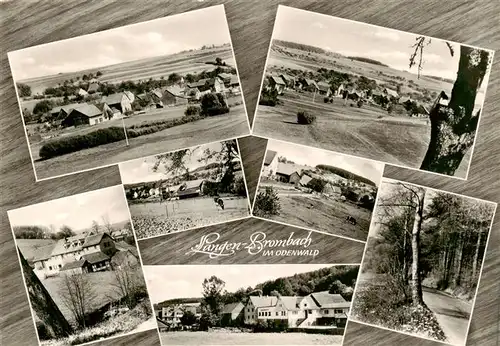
pixel 423 261
pixel 316 189
pixel 116 95
pixel 286 304
pixel 409 100
pixel 186 189
pixel 81 267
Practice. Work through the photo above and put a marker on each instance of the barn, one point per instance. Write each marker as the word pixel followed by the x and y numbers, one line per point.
pixel 277 84
pixel 288 173
pixel 324 89
pixel 85 114
pixel 119 101
pixel 77 267
pixel 173 96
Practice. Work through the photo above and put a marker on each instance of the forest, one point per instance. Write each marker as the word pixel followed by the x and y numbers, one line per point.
pixel 345 174
pixel 422 238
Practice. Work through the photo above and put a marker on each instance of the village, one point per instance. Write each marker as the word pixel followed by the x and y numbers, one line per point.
pixel 319 196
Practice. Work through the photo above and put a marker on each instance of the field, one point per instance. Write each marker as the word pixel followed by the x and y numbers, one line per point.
pixel 207 338
pixel 206 130
pixel 369 131
pixel 181 63
pixel 102 282
pixel 151 219
pixel 322 214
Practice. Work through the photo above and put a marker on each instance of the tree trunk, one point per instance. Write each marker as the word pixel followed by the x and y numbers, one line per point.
pixel 458 261
pixel 416 284
pixel 453 127
pixel 43 305
pixel 476 255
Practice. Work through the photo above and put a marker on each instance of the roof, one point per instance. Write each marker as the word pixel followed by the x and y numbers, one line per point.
pixel 391 92
pixel 305 179
pixel 234 307
pixel 234 80
pixel 291 303
pixel 260 302
pixel 93 87
pixel 77 243
pixel 310 82
pixel 67 108
pixel 404 99
pixel 121 256
pixel 43 252
pixel 225 75
pixel 327 300
pixel 270 155
pixel 95 257
pixel 89 110
pixel 74 265
pixel 130 95
pixel 286 77
pixel 289 168
pixel 332 189
pixel 114 99
pixel 175 90
pixel 323 85
pixel 192 183
pixel 101 105
pixel 197 84
pixel 35 249
pixel 277 80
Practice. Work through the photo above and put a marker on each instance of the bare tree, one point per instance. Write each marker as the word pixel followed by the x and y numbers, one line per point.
pixel 106 223
pixel 78 295
pixel 453 127
pixel 128 283
pixel 95 228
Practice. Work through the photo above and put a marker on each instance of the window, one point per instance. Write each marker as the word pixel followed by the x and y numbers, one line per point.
pixel 326 312
pixel 339 311
pixel 277 313
pixel 50 267
pixel 60 266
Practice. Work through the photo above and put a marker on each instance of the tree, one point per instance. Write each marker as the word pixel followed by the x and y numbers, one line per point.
pixel 218 61
pixel 212 294
pixel 188 318
pixel 42 107
pixel 78 295
pixel 95 228
pixel 129 284
pixel 42 303
pixel 64 232
pixel 453 127
pixel 98 74
pixel 23 89
pixel 107 224
pixel 174 77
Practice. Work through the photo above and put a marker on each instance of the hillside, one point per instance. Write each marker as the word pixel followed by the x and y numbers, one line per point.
pixel 345 174
pixel 368 60
pixel 177 301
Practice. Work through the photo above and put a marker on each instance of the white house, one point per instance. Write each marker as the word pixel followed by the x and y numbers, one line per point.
pixel 270 163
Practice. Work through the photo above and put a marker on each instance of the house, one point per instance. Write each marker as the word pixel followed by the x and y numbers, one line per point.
pixel 119 234
pixel 173 96
pixel 105 109
pixel 232 313
pixel 72 249
pixel 332 190
pixel 324 89
pixel 81 92
pixel 92 88
pixel 308 85
pixel 339 90
pixel 234 85
pixel 84 114
pixel 393 94
pixel 355 94
pixel 130 95
pixel 77 267
pixel 442 99
pixel 62 112
pixel 171 315
pixel 213 84
pixel 191 188
pixel 251 310
pixel 192 93
pixel 289 173
pixel 305 180
pixel 332 309
pixel 98 261
pixel 405 99
pixel 119 101
pixel 289 80
pixel 226 78
pixel 270 163
pixel 276 83
pixel 124 258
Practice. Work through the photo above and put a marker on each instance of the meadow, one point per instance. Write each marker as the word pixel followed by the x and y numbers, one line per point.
pixel 320 213
pixel 225 338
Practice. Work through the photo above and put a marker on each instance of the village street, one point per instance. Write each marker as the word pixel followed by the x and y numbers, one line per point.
pixel 452 313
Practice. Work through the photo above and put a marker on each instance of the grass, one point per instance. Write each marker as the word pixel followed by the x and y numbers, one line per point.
pixel 220 338
pixel 322 214
pixel 151 219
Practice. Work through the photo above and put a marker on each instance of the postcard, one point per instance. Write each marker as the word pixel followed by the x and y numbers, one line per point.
pixel 133 91
pixel 186 189
pixel 316 189
pixel 82 268
pixel 296 304
pixel 422 264
pixel 373 92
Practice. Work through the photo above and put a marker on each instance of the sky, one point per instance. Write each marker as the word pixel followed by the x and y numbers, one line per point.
pixel 77 211
pixel 311 156
pixel 141 170
pixel 184 281
pixel 157 37
pixel 350 38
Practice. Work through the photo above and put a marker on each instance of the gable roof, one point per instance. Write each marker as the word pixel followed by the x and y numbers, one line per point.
pixel 93 87
pixel 74 265
pixel 324 86
pixel 290 168
pixel 260 302
pixel 291 303
pixel 233 307
pixel 327 300
pixel 305 179
pixel 234 80
pixel 175 90
pixel 225 75
pixel 114 99
pixel 67 108
pixel 391 92
pixel 277 80
pixel 310 82
pixel 95 257
pixel 89 110
pixel 190 184
pixel 270 155
pixel 84 239
pixel 286 77
pixel 121 256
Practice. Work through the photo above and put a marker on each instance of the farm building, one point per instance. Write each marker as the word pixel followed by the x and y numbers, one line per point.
pixel 124 258
pixel 192 93
pixel 324 89
pixel 93 88
pixel 214 84
pixel 339 90
pixel 226 78
pixel 191 188
pixel 81 92
pixel 98 261
pixel 76 267
pixel 289 173
pixel 254 303
pixel 119 234
pixel 332 190
pixel 276 83
pixel 232 313
pixel 73 249
pixel 62 112
pixel 234 85
pixel 105 109
pixel 289 80
pixel 308 85
pixel 391 93
pixel 305 179
pixel 85 114
pixel 173 96
pixel 119 101
pixel 270 163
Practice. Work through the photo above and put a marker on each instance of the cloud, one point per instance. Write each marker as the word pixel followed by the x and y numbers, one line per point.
pixel 318 25
pixel 387 34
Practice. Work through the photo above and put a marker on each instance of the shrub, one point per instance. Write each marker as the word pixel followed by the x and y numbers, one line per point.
pixel 213 104
pixel 360 103
pixel 305 118
pixel 267 203
pixel 326 100
pixel 268 98
pixel 192 110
